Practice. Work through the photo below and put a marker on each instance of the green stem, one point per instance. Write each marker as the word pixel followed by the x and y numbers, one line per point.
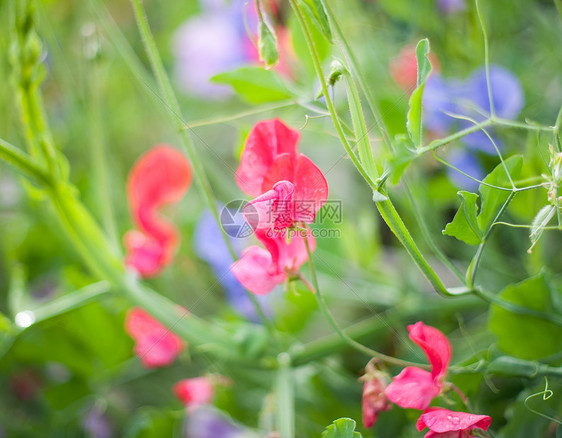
pixel 23 162
pixel 285 397
pixel 175 111
pixel 343 335
pixel 486 58
pixel 443 141
pixel 99 156
pixel 331 108
pixel 386 209
pixel 426 232
pixel 473 268
pixel 71 301
pixel 359 127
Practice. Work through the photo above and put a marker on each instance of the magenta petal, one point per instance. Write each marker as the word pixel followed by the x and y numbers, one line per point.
pixel 252 271
pixel 441 421
pixel 266 141
pixel 435 345
pixel 311 190
pixel 413 388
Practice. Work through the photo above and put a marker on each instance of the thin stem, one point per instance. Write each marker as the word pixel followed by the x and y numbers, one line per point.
pixel 99 157
pixel 331 108
pixel 443 141
pixel 427 234
pixel 486 58
pixel 71 301
pixel 386 209
pixel 285 397
pixel 174 110
pixel 328 314
pixel 357 72
pixel 514 124
pixel 224 119
pixel 473 268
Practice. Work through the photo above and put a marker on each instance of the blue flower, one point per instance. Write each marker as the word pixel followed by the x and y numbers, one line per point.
pixel 451 6
pixel 211 247
pixel 469 98
pixel 209 423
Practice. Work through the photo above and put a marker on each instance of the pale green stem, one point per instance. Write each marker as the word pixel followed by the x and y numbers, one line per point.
pixel 285 397
pixel 330 318
pixel 23 162
pixel 175 111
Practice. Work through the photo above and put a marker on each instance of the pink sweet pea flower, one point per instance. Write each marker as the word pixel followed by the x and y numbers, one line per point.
pixel 161 176
pixel 443 423
pixel 413 387
pixel 194 392
pixel 260 270
pixel 289 187
pixel 155 345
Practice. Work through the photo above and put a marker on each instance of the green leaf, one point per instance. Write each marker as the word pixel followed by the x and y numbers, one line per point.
pixel 267 44
pixel 464 225
pixel 492 198
pixel 404 155
pixel 526 336
pixel 316 11
pixel 414 121
pixel 254 84
pixel 341 428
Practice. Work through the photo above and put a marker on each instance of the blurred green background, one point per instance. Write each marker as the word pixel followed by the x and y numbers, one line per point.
pixel 58 373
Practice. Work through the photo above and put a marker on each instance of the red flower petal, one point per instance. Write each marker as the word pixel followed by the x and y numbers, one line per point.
pixel 283 168
pixel 311 190
pixel 155 345
pixel 194 392
pixel 441 421
pixel 435 345
pixel 413 388
pixel 161 176
pixel 252 271
pixel 267 140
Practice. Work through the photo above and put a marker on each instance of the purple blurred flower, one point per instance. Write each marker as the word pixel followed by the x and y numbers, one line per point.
pixel 469 98
pixel 96 424
pixel 210 43
pixel 467 163
pixel 451 6
pixel 210 246
pixel 209 423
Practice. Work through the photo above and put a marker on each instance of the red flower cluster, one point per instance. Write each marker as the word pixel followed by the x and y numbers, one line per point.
pixel 415 388
pixel 289 189
pixel 161 176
